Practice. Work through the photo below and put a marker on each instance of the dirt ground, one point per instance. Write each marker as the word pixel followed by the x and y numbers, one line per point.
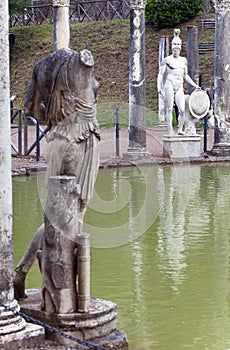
pixel 111 150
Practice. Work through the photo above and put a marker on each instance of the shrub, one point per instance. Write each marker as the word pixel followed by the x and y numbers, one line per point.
pixel 169 13
pixel 16 6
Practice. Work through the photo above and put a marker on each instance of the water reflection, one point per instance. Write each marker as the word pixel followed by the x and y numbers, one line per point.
pixel 176 187
pixel 124 206
pixel 171 282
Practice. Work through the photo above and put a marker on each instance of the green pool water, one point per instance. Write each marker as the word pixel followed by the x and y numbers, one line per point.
pixel 159 249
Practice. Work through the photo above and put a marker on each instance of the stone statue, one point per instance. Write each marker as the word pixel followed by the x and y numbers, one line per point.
pixel 63 91
pixel 172 74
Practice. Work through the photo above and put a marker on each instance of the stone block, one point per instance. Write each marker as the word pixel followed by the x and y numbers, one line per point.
pixel 96 325
pixel 29 337
pixel 136 153
pixel 220 150
pixel 181 146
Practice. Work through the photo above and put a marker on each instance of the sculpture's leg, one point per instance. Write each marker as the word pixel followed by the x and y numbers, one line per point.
pixel 181 123
pixel 25 264
pixel 169 99
pixel 180 101
pixel 169 118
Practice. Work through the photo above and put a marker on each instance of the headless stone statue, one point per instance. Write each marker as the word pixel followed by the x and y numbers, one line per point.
pixel 172 74
pixel 63 92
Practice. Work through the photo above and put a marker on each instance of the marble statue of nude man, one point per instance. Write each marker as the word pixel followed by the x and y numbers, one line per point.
pixel 172 74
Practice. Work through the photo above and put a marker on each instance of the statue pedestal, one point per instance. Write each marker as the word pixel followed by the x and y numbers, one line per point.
pixel 163 126
pixel 181 146
pixel 97 326
pixel 221 149
pixel 136 153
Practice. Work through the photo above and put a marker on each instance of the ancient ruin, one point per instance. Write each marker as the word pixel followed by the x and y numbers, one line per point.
pixel 221 145
pixel 137 95
pixel 63 92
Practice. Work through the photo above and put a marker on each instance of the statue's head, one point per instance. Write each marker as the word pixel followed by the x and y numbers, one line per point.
pixel 176 43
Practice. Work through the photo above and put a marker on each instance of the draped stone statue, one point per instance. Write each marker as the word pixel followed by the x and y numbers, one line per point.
pixel 172 74
pixel 63 91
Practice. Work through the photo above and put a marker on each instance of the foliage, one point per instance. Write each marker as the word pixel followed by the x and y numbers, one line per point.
pixel 168 13
pixel 17 6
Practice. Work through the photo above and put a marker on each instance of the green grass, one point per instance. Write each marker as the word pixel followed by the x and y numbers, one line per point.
pixel 106 115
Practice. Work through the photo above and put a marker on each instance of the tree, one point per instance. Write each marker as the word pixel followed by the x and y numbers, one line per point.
pixel 17 6
pixel 169 13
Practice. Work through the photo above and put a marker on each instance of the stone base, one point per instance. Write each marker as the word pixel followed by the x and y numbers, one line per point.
pixel 116 340
pixel 30 337
pixel 220 150
pixel 163 126
pixel 97 325
pixel 181 146
pixel 136 153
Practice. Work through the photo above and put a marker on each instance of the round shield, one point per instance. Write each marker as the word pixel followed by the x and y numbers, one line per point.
pixel 199 103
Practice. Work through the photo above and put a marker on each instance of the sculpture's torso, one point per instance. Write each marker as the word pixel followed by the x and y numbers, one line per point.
pixel 175 70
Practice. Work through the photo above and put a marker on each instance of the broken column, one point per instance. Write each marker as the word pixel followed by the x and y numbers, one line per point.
pixel 221 145
pixel 83 270
pixel 192 56
pixel 13 328
pixel 137 93
pixel 163 52
pixel 61 24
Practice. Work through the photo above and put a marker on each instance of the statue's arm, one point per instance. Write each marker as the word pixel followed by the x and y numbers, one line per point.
pixel 34 106
pixel 187 78
pixel 160 77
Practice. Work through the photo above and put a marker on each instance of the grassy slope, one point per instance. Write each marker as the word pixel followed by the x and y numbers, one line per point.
pixel 109 43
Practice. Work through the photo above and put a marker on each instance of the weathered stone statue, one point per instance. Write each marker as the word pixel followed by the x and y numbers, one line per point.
pixel 172 74
pixel 63 92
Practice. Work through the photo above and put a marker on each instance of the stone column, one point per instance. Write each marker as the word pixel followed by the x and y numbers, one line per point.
pixel 163 52
pixel 61 24
pixel 6 247
pixel 12 327
pixel 137 93
pixel 83 272
pixel 8 321
pixel 221 145
pixel 192 56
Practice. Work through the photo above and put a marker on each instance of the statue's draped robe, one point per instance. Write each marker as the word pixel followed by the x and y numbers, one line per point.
pixel 63 91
